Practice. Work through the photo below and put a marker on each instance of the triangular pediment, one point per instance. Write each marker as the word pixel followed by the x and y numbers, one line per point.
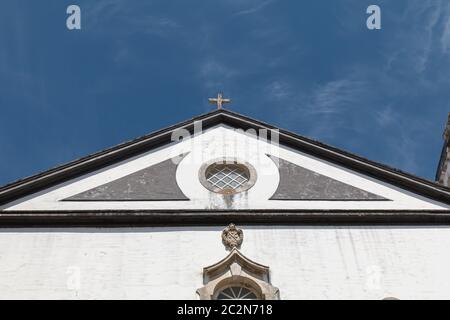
pixel 163 173
pixel 154 183
pixel 235 257
pixel 299 183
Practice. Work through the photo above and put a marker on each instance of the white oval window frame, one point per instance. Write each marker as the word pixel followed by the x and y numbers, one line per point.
pixel 220 161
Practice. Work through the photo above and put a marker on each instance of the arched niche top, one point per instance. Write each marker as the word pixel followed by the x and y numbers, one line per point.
pixel 236 262
pixel 236 269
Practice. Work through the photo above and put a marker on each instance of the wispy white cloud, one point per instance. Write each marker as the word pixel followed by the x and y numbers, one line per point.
pixel 214 69
pixel 215 74
pixel 103 10
pixel 401 145
pixel 336 96
pixel 153 25
pixel 118 20
pixel 278 90
pixel 347 105
pixel 430 23
pixel 428 32
pixel 105 15
pixel 445 38
pixel 254 9
pixel 386 116
pixel 326 105
pixel 332 97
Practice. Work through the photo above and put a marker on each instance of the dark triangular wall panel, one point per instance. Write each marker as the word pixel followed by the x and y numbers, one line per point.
pixel 298 183
pixel 155 183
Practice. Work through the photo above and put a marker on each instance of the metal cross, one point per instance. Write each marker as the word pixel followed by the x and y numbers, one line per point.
pixel 219 101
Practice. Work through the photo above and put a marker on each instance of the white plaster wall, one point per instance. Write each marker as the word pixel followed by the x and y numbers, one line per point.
pixel 166 263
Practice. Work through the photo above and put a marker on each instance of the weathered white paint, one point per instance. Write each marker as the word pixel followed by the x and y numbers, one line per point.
pixel 223 141
pixel 166 263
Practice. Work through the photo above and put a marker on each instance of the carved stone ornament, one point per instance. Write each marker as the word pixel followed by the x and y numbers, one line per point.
pixel 237 270
pixel 232 237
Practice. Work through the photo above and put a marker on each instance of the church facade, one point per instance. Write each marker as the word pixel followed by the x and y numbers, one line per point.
pixel 225 207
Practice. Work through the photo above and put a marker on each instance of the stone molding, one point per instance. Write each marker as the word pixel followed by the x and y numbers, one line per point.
pixel 237 270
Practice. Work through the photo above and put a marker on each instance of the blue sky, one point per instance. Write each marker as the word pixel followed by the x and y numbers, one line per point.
pixel 307 66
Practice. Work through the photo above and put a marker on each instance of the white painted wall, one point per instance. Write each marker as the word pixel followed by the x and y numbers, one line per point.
pixel 166 263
